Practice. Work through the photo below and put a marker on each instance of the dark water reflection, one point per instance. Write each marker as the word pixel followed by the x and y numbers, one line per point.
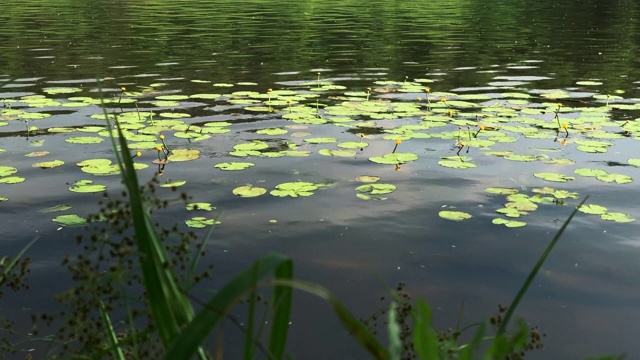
pixel 586 299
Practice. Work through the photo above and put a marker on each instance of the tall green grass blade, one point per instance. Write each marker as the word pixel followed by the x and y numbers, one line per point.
pixel 395 344
pixel 349 321
pixel 170 308
pixel 525 286
pixel 249 349
pixel 186 343
pixel 282 301
pixel 469 348
pixel 116 350
pixel 15 260
pixel 425 340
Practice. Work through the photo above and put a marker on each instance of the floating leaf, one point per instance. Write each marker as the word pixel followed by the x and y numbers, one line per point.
pixel 320 140
pixel 200 222
pixel 554 177
pixel 272 131
pixel 457 164
pixel 233 166
pixel 87 186
pixel 49 164
pixel 368 178
pixel 85 140
pixel 294 189
pixel 37 153
pixel 617 217
pixel 589 172
pixel 62 207
pixel 174 183
pixel 337 152
pixel 617 178
pixel 353 145
pixel 69 220
pixel 511 212
pixel 592 209
pixel 454 215
pixel 184 155
pixel 7 170
pixel 560 161
pixel 249 191
pixel 394 158
pixel 376 189
pixel 199 206
pixel 508 223
pixel 11 180
pixel 501 190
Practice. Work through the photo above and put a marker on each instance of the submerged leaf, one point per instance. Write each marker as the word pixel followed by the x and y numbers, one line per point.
pixel 376 189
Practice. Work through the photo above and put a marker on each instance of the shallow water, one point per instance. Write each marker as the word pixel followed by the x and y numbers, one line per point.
pixel 585 299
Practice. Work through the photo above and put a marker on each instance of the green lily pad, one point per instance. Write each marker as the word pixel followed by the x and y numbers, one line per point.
pixel 337 152
pixel 233 166
pixel 368 178
pixel 11 180
pixel 591 149
pixel 560 161
pixel 7 170
pixel 48 164
pixel 184 155
pixel 501 191
pixel 617 217
pixel 454 215
pixel 353 145
pixel 394 158
pixel 592 209
pixel 199 206
pixel 524 158
pixel 376 189
pixel 294 189
pixel 508 223
pixel 589 172
pixel 457 164
pixel 554 177
pixel 634 162
pixel 320 140
pixel 511 212
pixel 252 146
pixel 37 153
pixel 85 140
pixel 200 222
pixel 62 207
pixel 617 178
pixel 86 186
pixel 69 220
pixel 249 191
pixel 174 183
pixel 272 131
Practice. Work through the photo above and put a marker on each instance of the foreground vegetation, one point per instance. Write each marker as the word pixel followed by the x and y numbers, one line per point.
pixel 134 272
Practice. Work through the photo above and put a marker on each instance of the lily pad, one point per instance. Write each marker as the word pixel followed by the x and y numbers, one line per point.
pixel 11 180
pixel 501 191
pixel 87 186
pixel 320 140
pixel 62 207
pixel 617 178
pixel 7 170
pixel 233 166
pixel 508 223
pixel 85 140
pixel 37 153
pixel 368 178
pixel 376 189
pixel 184 155
pixel 203 206
pixel 249 191
pixel 617 217
pixel 337 152
pixel 592 209
pixel 200 222
pixel 554 177
pixel 69 220
pixel 511 212
pixel 294 189
pixel 48 164
pixel 454 215
pixel 589 172
pixel 394 158
pixel 174 183
pixel 457 164
pixel 353 145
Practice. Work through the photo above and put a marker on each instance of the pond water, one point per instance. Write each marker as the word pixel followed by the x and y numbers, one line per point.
pixel 350 72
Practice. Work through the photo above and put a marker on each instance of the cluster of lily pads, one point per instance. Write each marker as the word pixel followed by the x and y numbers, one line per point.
pixel 387 112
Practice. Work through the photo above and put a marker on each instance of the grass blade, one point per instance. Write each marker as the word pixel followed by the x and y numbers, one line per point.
pixel 525 286
pixel 395 344
pixel 282 300
pixel 188 341
pixel 424 336
pixel 113 339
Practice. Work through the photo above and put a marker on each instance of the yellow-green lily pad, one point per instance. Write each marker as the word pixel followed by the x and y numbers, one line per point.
pixel 294 189
pixel 589 172
pixel 554 177
pixel 394 158
pixel 87 186
pixel 174 183
pixel 508 223
pixel 501 190
pixel 69 220
pixel 203 206
pixel 454 215
pixel 337 152
pixel 233 166
pixel 200 222
pixel 184 155
pixel 617 217
pixel 376 189
pixel 85 140
pixel 368 178
pixel 48 164
pixel 617 178
pixel 249 191
pixel 11 180
pixel 7 170
pixel 592 209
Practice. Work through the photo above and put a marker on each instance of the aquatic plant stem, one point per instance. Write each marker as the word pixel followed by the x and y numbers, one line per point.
pixel 525 286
